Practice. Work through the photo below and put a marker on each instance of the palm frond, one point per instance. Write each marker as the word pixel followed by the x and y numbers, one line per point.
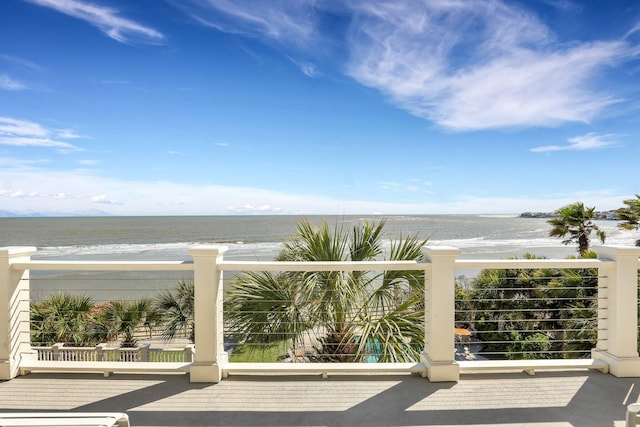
pixel 264 308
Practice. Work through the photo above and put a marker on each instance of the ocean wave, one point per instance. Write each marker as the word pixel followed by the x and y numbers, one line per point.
pixel 179 250
pixel 476 242
pixel 614 237
pixel 264 251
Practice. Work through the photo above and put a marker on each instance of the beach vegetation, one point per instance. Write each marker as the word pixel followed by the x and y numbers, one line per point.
pixel 343 316
pixel 530 313
pixel 630 215
pixel 574 223
pixel 76 320
pixel 176 309
pixel 65 318
pixel 123 319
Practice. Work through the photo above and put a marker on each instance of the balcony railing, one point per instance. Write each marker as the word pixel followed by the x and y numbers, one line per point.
pixel 104 353
pixel 605 289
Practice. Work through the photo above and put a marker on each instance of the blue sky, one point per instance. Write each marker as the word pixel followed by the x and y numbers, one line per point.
pixel 181 107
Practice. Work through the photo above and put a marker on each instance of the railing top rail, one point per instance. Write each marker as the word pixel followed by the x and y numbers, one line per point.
pixel 530 263
pixel 104 265
pixel 306 265
pixel 321 265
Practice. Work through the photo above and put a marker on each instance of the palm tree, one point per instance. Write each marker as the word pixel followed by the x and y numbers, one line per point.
pixel 355 313
pixel 126 318
pixel 266 307
pixel 63 318
pixel 176 309
pixel 576 221
pixel 630 215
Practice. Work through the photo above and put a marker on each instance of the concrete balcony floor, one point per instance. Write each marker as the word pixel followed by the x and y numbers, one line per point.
pixel 578 398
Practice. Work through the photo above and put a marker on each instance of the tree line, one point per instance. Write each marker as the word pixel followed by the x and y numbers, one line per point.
pixel 77 320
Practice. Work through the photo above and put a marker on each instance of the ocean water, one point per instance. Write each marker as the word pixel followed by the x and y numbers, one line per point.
pixel 261 237
pixel 248 238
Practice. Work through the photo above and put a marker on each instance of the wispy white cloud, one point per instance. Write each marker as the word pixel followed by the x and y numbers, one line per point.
pixel 632 31
pixel 289 21
pixel 563 4
pixel 104 199
pixel 463 65
pixel 36 142
pixel 590 141
pixel 24 133
pixel 22 63
pixel 10 127
pixel 106 19
pixel 12 194
pixel 68 134
pixel 308 68
pixel 483 65
pixel 8 83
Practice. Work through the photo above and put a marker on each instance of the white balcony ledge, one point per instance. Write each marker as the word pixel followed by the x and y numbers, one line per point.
pixel 531 366
pixel 323 369
pixel 107 368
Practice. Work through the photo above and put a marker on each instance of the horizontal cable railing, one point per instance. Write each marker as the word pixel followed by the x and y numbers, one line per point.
pixel 301 313
pixel 313 343
pixel 525 313
pixel 324 311
pixel 85 311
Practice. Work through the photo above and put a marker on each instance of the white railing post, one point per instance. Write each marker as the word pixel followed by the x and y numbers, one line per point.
pixel 14 310
pixel 619 283
pixel 189 352
pixel 438 355
pixel 208 322
pixel 56 351
pixel 144 353
pixel 100 355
